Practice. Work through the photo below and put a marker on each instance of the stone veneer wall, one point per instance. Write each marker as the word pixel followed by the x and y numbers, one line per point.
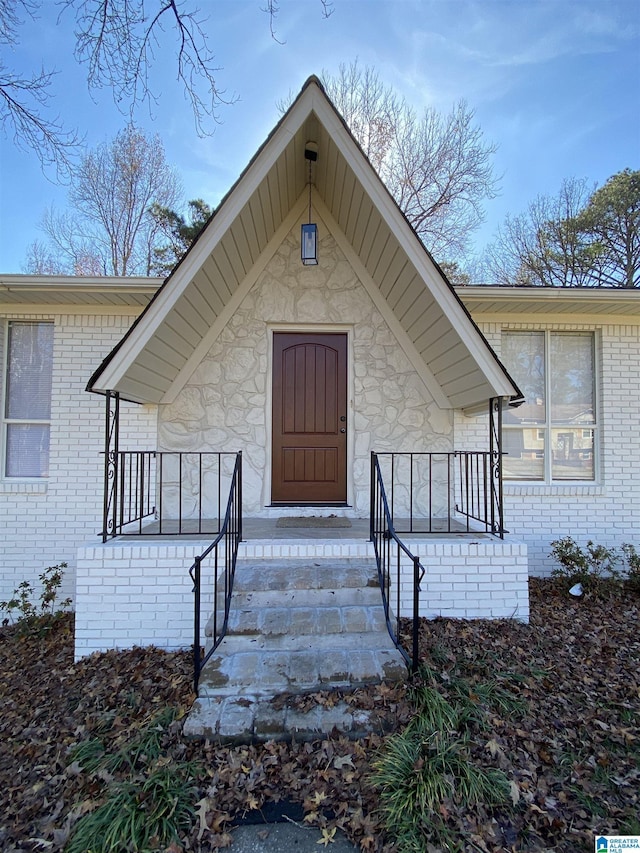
pixel 225 404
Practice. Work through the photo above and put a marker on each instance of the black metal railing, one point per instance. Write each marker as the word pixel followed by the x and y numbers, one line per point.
pixel 391 556
pixel 150 493
pixel 455 492
pixel 212 595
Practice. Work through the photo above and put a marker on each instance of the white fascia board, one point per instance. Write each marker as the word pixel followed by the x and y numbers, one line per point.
pixel 36 291
pixel 372 185
pixel 190 265
pixel 545 319
pixel 544 294
pixel 63 309
pixel 582 301
pixel 72 283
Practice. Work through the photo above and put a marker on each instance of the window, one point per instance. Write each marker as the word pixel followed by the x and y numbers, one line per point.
pixel 552 437
pixel 26 408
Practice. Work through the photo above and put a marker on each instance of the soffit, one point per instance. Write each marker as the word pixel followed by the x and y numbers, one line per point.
pixel 77 290
pixel 239 239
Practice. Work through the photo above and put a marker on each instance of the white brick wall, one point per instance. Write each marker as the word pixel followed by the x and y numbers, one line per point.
pixel 487 579
pixel 42 524
pixel 136 595
pixel 130 594
pixel 607 510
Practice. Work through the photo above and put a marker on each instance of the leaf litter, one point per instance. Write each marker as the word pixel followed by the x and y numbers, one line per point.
pixel 569 741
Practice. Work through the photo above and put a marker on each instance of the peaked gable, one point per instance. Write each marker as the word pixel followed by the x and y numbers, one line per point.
pixel 153 360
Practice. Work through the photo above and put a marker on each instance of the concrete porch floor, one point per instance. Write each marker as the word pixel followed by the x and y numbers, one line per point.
pixel 267 530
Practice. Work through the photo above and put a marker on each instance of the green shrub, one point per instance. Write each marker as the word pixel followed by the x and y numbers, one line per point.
pixel 632 559
pixel 39 616
pixel 428 769
pixel 141 816
pixel 422 770
pixel 595 565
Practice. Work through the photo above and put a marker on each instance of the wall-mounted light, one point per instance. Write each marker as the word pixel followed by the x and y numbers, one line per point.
pixel 309 234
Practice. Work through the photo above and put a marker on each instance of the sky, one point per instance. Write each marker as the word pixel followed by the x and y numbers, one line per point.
pixel 555 84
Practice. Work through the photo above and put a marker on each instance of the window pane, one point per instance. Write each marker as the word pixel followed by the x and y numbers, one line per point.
pixel 525 449
pixel 29 371
pixel 571 369
pixel 572 454
pixel 27 450
pixel 523 355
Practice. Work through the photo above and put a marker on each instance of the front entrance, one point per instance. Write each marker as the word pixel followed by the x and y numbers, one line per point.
pixel 309 461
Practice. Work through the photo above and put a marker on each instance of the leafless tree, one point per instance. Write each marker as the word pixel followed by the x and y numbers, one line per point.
pixel 109 229
pixel 41 260
pixel 545 245
pixel 437 167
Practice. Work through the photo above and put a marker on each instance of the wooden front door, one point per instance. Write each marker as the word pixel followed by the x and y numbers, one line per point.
pixel 309 461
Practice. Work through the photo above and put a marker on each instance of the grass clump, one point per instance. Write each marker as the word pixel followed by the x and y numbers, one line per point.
pixel 139 817
pixel 427 772
pixel 148 806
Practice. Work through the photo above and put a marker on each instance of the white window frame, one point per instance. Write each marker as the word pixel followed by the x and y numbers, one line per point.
pixel 6 421
pixel 548 427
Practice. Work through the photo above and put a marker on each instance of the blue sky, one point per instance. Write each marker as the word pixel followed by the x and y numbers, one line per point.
pixel 554 83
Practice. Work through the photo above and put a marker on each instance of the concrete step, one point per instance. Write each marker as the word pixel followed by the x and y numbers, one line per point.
pixel 295 626
pixel 271 672
pixel 254 719
pixel 307 574
pixel 347 641
pixel 276 598
pixel 304 620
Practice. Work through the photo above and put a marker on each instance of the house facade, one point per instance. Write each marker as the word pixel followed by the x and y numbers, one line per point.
pixel 572 463
pixel 307 368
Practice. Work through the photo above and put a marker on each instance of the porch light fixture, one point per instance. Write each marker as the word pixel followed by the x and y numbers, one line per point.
pixel 309 236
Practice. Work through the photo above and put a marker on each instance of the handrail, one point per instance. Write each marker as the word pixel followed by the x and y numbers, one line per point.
pixel 230 535
pixel 382 535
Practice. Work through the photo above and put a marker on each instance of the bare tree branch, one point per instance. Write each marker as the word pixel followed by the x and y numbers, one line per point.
pixel 23 101
pixel 437 167
pixel 272 9
pixel 118 40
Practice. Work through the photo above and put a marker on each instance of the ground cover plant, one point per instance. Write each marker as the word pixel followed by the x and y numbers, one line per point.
pixel 514 737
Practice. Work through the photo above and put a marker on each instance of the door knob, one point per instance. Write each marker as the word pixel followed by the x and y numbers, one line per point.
pixel 342 429
pixel 343 418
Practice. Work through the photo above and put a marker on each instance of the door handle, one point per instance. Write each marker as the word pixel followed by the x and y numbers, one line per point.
pixel 342 429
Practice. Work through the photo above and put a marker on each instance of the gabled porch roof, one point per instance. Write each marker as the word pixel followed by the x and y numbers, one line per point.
pixel 157 356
